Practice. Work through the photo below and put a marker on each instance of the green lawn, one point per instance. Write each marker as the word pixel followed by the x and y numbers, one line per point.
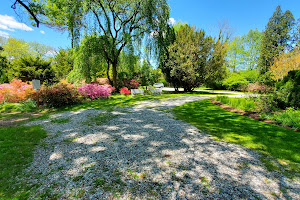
pixel 16 152
pixel 289 117
pixel 280 143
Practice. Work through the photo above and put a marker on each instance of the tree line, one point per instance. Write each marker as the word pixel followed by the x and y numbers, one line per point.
pixel 108 36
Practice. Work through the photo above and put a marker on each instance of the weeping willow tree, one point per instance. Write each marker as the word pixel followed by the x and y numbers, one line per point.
pixel 121 23
pixel 89 59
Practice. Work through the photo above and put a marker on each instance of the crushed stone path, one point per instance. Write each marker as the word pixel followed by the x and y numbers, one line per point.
pixel 143 152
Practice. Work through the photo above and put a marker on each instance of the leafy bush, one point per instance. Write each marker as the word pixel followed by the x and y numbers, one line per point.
pixel 15 91
pixel 125 91
pixel 268 102
pixel 235 81
pixel 26 106
pixel 95 91
pixel 289 117
pixel 288 89
pixel 59 95
pixel 250 75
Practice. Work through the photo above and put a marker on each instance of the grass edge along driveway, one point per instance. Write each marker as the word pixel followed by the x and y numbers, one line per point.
pixel 280 144
pixel 16 152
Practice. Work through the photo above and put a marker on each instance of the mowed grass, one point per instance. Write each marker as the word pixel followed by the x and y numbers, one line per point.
pixel 16 152
pixel 277 142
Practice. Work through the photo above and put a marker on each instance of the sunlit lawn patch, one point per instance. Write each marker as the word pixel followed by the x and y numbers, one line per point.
pixel 281 143
pixel 16 152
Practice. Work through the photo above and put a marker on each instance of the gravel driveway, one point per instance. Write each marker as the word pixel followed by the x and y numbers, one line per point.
pixel 142 152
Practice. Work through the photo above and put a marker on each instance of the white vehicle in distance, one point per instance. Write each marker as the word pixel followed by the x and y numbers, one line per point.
pixel 158 85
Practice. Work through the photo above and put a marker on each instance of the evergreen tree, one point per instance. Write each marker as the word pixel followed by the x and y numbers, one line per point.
pixel 3 68
pixel 28 68
pixel 63 63
pixel 276 38
pixel 195 59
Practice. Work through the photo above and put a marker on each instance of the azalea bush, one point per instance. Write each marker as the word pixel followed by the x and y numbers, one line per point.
pixel 133 84
pixel 257 88
pixel 16 91
pixel 59 95
pixel 125 91
pixel 110 88
pixel 95 91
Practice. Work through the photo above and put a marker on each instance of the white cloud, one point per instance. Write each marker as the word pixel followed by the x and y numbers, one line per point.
pixel 10 23
pixel 42 32
pixel 171 21
pixel 4 34
pixel 3 27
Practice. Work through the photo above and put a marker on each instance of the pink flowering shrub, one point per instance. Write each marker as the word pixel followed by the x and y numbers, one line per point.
pixel 95 91
pixel 257 88
pixel 125 91
pixel 110 88
pixel 15 91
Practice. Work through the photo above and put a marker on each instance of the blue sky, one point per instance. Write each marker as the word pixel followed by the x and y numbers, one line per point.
pixel 241 15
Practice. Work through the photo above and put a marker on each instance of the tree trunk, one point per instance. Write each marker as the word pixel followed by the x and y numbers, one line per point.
pixel 114 67
pixel 107 73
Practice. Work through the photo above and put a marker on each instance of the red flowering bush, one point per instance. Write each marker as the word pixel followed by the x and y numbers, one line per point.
pixel 133 84
pixel 256 88
pixel 125 91
pixel 15 91
pixel 95 91
pixel 59 95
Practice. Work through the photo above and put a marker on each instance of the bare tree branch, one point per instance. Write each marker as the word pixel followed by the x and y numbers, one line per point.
pixel 28 9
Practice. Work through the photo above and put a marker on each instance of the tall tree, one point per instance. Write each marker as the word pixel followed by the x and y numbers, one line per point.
pixel 243 51
pixel 276 38
pixel 194 58
pixel 89 58
pixel 235 53
pixel 122 22
pixel 63 63
pixel 161 41
pixel 3 67
pixel 252 43
pixel 17 48
pixel 28 68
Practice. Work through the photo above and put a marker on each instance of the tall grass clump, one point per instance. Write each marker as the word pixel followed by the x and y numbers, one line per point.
pixel 246 104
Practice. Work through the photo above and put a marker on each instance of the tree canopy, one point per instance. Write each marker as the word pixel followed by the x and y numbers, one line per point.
pixel 243 51
pixel 194 58
pixel 121 23
pixel 276 38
